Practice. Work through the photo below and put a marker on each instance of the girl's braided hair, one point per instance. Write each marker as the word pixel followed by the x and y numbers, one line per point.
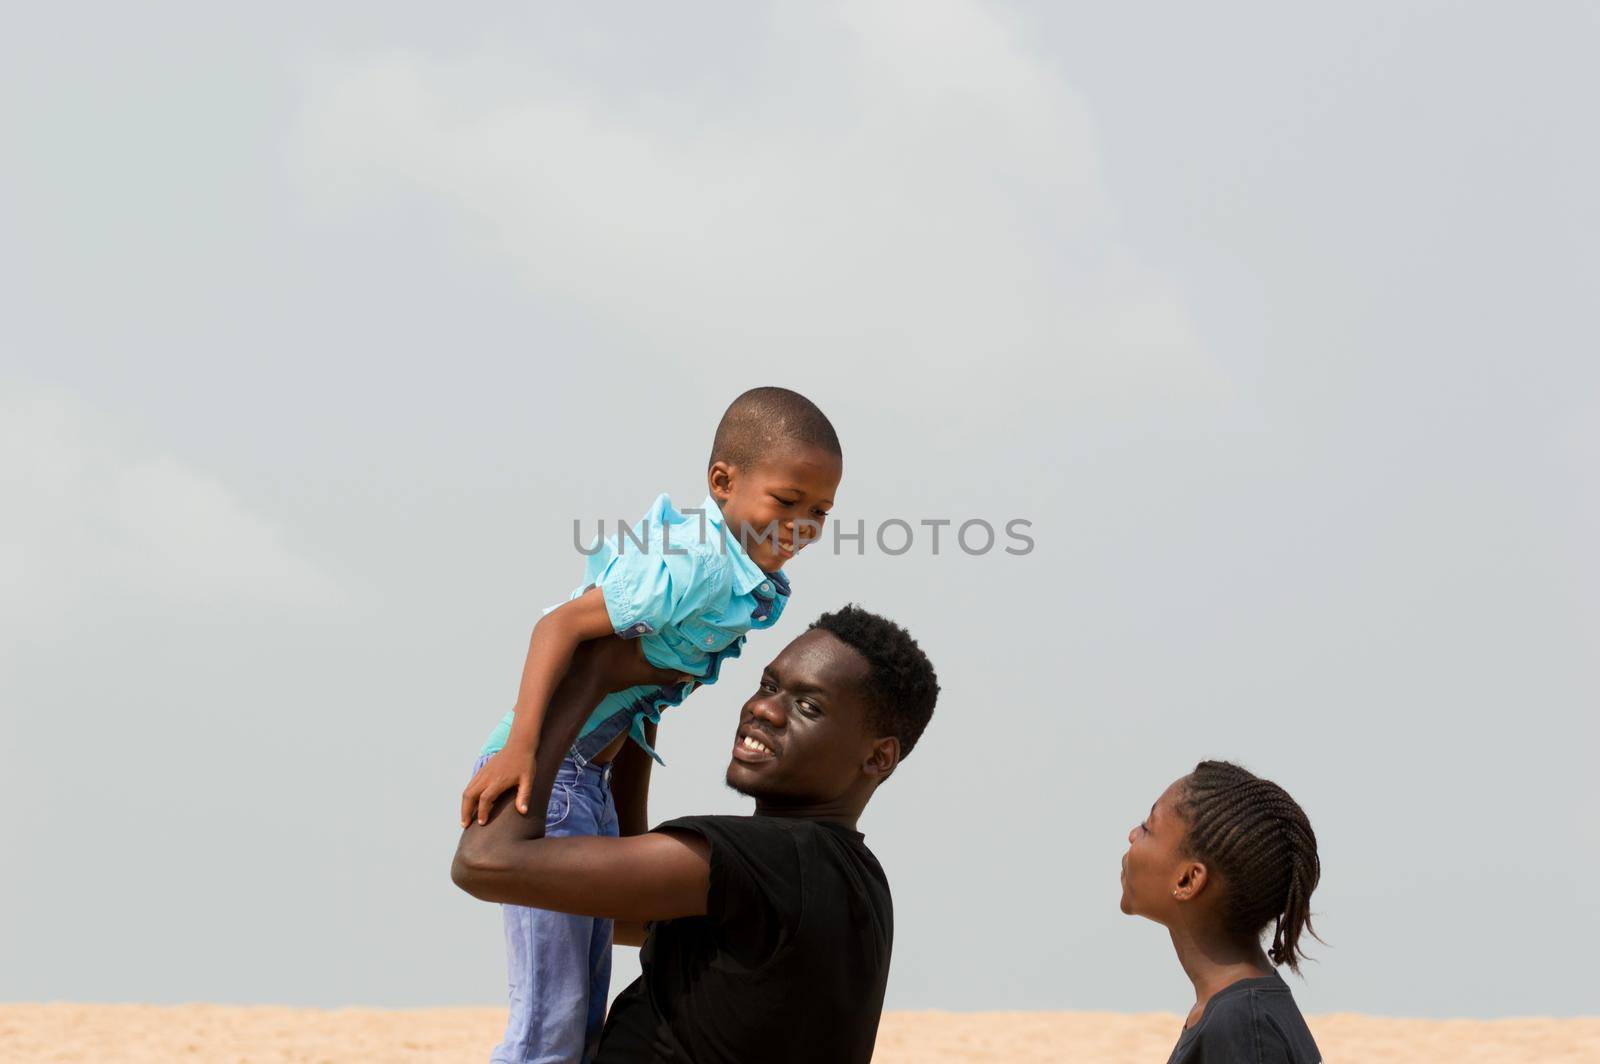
pixel 1257 838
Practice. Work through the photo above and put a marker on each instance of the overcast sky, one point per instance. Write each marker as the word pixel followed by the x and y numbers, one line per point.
pixel 320 326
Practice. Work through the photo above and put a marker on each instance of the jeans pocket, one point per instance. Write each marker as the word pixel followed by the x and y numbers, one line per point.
pixel 560 806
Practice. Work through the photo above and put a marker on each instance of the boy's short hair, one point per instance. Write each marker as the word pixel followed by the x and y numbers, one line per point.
pixel 764 418
pixel 903 686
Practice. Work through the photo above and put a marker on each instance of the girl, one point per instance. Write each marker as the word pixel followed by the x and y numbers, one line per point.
pixel 1222 856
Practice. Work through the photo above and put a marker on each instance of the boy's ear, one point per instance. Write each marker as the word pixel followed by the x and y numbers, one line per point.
pixel 719 478
pixel 882 758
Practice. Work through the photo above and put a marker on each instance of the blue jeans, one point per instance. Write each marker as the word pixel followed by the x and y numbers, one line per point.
pixel 558 967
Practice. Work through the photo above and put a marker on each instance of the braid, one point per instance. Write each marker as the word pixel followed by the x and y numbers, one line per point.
pixel 1261 844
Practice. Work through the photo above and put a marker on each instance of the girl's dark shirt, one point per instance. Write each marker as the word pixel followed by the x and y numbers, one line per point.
pixel 1254 1021
pixel 788 964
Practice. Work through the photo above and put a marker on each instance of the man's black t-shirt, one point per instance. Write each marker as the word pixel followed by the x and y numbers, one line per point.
pixel 788 964
pixel 1254 1021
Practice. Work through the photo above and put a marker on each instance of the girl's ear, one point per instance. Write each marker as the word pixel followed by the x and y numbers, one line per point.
pixel 719 478
pixel 1192 879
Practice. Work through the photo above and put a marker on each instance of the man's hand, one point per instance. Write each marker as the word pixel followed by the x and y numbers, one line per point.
pixel 503 771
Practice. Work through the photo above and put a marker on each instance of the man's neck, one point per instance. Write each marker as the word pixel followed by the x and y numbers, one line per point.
pixel 839 813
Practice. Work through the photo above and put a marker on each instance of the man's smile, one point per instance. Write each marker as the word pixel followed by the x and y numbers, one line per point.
pixel 751 744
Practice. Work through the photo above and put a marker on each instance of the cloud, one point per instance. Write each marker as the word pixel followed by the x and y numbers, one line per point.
pixel 900 178
pixel 90 520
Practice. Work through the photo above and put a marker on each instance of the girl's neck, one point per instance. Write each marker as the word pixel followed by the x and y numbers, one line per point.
pixel 1214 961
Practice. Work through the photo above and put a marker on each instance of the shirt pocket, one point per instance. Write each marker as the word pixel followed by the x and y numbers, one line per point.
pixel 702 638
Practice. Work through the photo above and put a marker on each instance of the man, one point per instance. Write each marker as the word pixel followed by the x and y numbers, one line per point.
pixel 768 935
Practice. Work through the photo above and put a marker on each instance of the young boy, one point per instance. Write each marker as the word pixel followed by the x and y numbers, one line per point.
pixel 698 583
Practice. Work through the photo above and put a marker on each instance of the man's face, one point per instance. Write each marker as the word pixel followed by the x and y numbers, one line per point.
pixel 777 506
pixel 803 736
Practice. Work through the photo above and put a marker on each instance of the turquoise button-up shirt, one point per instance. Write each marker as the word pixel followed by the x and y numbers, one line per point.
pixel 682 585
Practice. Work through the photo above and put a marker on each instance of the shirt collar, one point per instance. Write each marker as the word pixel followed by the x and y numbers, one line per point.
pixel 747 575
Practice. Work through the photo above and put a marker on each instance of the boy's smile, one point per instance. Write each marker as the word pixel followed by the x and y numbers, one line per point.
pixel 777 505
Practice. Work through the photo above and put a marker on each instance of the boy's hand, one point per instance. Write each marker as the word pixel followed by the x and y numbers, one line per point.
pixel 503 771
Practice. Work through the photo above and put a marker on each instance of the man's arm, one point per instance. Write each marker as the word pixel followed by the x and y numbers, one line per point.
pixel 630 789
pixel 629 932
pixel 654 876
pixel 630 784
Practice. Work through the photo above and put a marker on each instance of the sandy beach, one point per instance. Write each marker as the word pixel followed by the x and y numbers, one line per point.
pixel 251 1034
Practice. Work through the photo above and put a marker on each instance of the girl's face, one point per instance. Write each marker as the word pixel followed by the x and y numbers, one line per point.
pixel 1155 865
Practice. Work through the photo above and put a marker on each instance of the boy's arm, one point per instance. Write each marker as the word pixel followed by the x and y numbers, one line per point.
pixel 599 666
pixel 550 650
pixel 634 880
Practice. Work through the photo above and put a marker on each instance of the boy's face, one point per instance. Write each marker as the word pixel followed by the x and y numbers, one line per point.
pixel 777 505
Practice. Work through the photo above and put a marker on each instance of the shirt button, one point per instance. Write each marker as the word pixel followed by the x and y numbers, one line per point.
pixel 710 640
pixel 766 587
